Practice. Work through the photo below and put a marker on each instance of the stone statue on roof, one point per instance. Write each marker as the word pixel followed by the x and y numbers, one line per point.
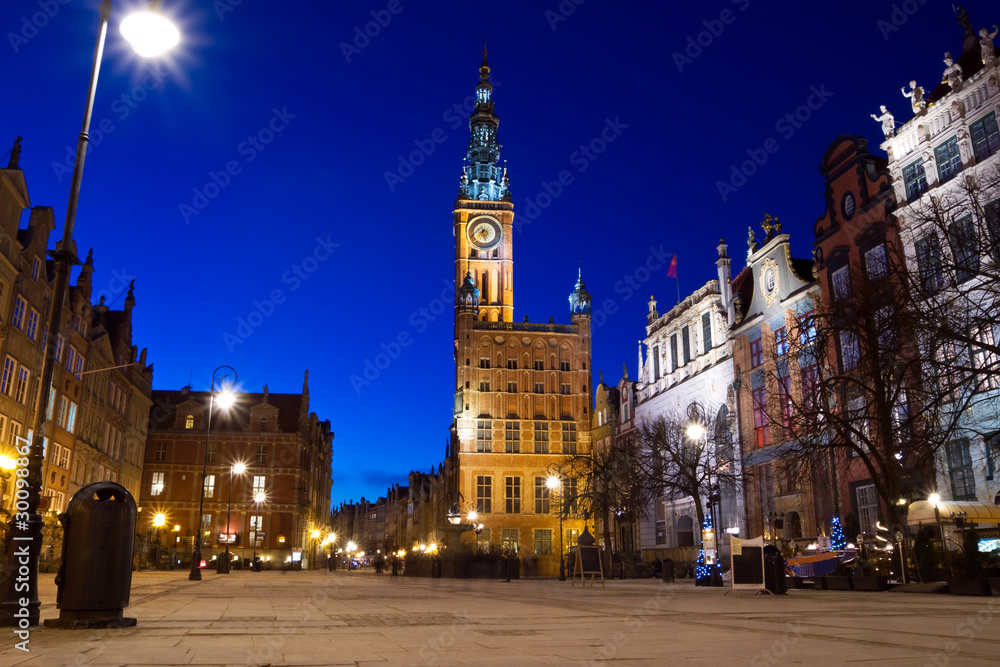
pixel 887 120
pixel 952 73
pixel 986 46
pixel 916 96
pixel 15 154
pixel 751 241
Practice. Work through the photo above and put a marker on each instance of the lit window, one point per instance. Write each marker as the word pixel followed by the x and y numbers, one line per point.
pixel 484 436
pixel 760 422
pixel 21 386
pixel 156 488
pixel 484 494
pixel 543 542
pixel 541 495
pixel 512 495
pixel 189 422
pixel 262 453
pixel 209 486
pixel 780 341
pixel 541 437
pixel 569 438
pixel 512 438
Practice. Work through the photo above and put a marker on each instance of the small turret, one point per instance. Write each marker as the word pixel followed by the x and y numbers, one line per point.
pixel 580 299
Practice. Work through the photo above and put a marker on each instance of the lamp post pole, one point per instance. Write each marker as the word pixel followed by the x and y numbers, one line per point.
pixel 27 525
pixel 195 574
pixel 233 468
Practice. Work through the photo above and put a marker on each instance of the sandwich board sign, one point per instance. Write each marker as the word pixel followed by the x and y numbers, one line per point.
pixel 747 563
pixel 588 560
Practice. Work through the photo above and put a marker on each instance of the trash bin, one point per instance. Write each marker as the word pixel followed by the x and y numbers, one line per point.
pixel 774 570
pixel 95 576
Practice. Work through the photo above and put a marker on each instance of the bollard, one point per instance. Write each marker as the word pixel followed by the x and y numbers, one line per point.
pixel 95 576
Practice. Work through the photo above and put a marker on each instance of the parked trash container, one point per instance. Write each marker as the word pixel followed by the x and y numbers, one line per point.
pixel 774 570
pixel 95 576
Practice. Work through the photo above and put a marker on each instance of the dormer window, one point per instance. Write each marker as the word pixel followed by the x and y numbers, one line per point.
pixel 189 422
pixel 263 425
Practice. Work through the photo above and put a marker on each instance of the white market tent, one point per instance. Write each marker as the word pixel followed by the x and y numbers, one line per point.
pixel 947 511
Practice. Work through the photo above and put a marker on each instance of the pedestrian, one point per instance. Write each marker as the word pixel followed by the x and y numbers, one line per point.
pixel 656 568
pixel 668 570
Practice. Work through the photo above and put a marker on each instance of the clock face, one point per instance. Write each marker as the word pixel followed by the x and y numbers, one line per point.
pixel 485 232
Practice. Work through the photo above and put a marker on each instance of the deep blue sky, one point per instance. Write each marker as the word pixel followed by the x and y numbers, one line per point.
pixel 344 121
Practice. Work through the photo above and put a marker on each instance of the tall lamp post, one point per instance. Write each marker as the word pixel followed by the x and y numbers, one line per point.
pixel 225 400
pixel 150 34
pixel 555 481
pixel 234 469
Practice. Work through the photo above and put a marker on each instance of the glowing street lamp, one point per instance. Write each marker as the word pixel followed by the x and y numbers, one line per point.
pixel 30 531
pixel 226 399
pixel 149 32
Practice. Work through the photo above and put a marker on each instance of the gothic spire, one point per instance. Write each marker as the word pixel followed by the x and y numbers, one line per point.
pixel 483 179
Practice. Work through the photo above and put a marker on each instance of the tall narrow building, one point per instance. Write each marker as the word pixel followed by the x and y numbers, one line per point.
pixel 522 390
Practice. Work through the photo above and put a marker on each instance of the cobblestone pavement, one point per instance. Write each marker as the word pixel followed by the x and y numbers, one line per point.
pixel 358 618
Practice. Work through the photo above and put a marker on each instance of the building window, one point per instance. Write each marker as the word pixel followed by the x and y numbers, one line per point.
pixel 9 365
pixel 189 422
pixel 539 365
pixel 569 438
pixel 866 501
pixel 655 357
pixel 914 179
pixel 161 452
pixel 963 482
pixel 673 353
pixel 262 426
pixel 780 341
pixel 20 305
pixel 760 423
pixel 209 486
pixel 564 388
pixel 59 348
pixel 36 267
pixel 539 387
pixel 512 364
pixel 840 279
pixel 785 402
pixel 992 214
pixel 985 137
pixel 210 452
pixel 508 541
pixel 962 236
pixel 564 365
pixel 948 159
pixel 21 385
pixel 256 523
pixel 807 328
pixel 877 262
pixel 483 539
pixel 484 362
pixel 512 438
pixel 512 495
pixel 262 453
pixel 484 436
pixel 511 387
pixel 849 353
pixel 541 495
pixel 156 488
pixel 71 417
pixel 32 330
pixel 686 343
pixel 992 445
pixel 929 263
pixel 541 437
pixel 756 353
pixel 706 331
pixel 543 542
pixel 484 385
pixel 985 359
pixel 484 494
pixel 61 416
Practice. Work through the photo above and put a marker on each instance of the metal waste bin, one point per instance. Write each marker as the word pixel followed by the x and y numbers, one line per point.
pixel 95 576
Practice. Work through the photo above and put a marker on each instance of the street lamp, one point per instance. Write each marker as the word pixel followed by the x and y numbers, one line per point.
pixel 234 469
pixel 258 498
pixel 226 399
pixel 30 531
pixel 555 482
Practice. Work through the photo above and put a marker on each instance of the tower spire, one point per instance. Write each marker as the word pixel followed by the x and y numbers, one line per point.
pixel 486 181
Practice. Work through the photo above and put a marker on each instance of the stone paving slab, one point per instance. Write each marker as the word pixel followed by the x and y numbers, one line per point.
pixel 341 618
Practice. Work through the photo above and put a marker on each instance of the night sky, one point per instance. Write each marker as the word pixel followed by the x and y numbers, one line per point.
pixel 281 187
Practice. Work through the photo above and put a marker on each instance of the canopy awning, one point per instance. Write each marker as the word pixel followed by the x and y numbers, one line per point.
pixel 948 511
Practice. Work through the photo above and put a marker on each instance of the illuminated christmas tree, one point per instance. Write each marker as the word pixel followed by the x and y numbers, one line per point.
pixel 837 541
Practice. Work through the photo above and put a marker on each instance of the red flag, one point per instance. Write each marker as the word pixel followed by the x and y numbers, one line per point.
pixel 672 271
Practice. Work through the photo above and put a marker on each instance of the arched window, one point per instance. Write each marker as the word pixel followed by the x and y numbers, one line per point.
pixel 189 421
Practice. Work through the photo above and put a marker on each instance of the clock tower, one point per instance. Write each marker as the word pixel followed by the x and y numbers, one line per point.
pixel 522 389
